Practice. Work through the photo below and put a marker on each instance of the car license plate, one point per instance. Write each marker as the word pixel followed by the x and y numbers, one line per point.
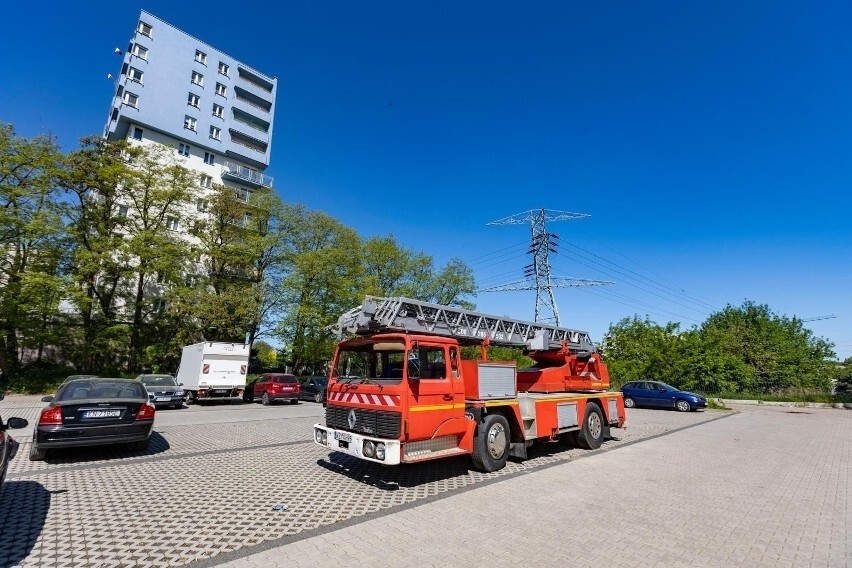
pixel 162 399
pixel 343 436
pixel 102 414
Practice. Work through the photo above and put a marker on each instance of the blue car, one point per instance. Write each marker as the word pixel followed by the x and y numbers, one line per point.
pixel 660 395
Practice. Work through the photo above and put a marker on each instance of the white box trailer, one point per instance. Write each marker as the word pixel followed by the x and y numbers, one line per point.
pixel 213 370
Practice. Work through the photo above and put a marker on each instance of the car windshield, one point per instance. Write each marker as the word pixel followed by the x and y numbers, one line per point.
pixel 376 361
pixel 101 389
pixel 165 381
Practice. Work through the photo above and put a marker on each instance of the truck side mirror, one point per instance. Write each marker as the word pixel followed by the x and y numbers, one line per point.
pixel 414 362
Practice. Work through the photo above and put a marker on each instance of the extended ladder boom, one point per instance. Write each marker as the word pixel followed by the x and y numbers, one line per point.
pixel 413 316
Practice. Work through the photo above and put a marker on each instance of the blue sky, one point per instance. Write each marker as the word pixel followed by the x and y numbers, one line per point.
pixel 709 142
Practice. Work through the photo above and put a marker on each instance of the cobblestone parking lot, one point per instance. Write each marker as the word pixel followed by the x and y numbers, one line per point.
pixel 210 480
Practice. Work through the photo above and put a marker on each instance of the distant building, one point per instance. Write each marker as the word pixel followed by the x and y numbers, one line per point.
pixel 214 111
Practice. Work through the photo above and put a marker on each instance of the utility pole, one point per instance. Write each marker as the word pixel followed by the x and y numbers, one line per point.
pixel 537 275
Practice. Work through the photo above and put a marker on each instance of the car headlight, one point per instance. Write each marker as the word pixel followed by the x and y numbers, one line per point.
pixel 179 393
pixel 380 451
pixel 369 448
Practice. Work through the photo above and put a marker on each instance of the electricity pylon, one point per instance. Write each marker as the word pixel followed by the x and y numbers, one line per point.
pixel 537 275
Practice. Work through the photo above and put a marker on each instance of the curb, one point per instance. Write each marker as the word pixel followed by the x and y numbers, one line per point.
pixel 840 405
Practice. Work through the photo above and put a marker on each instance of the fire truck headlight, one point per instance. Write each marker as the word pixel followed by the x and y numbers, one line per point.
pixel 380 451
pixel 369 449
pixel 319 436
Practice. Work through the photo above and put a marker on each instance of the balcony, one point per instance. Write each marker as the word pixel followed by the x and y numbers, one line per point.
pixel 249 134
pixel 256 80
pixel 246 175
pixel 251 99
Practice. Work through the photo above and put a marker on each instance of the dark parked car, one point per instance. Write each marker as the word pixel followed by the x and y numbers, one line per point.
pixel 313 388
pixel 271 387
pixel 163 390
pixel 8 446
pixel 93 412
pixel 660 395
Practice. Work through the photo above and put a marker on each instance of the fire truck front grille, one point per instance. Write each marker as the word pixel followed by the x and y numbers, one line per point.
pixel 379 423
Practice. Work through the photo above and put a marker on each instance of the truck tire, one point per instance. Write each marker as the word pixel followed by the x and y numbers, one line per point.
pixel 591 434
pixel 265 400
pixel 491 445
pixel 190 398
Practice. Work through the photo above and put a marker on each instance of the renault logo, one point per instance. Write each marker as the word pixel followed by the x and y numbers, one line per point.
pixel 351 419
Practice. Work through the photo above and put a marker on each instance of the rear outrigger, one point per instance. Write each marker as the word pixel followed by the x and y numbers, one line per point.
pixel 399 391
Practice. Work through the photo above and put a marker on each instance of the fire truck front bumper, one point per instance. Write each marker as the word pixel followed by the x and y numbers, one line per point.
pixel 378 450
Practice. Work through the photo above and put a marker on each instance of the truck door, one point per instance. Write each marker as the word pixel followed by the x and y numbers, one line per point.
pixel 434 403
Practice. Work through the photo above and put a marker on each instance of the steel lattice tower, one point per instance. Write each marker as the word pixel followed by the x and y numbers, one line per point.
pixel 537 275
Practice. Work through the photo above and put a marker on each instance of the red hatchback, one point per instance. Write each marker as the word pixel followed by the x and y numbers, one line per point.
pixel 271 387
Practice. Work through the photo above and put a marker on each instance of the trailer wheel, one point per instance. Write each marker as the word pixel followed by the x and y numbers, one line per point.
pixel 265 399
pixel 491 446
pixel 629 402
pixel 591 434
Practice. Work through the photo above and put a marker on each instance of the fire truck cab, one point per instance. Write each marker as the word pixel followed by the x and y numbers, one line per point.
pixel 400 392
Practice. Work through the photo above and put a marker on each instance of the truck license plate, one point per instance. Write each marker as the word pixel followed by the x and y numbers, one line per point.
pixel 343 436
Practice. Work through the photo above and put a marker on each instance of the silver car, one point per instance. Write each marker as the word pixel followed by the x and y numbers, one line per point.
pixel 163 390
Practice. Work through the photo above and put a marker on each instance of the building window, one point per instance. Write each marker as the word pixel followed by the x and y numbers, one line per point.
pixel 193 100
pixel 201 205
pixel 218 110
pixel 135 74
pixel 209 158
pixel 137 133
pixel 172 223
pixel 201 57
pixel 140 51
pixel 130 99
pixel 119 91
pixel 197 78
pixel 144 28
pixel 189 123
pixel 115 114
pixel 241 194
pixel 215 133
pixel 159 305
pixel 122 210
pixel 221 89
pixel 223 69
pixel 206 181
pixel 183 150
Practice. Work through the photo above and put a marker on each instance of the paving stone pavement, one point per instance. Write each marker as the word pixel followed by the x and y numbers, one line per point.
pixel 207 489
pixel 765 487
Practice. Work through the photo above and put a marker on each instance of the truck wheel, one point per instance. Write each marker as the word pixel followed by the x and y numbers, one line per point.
pixel 265 399
pixel 318 397
pixel 37 454
pixel 683 406
pixel 190 398
pixel 629 402
pixel 491 446
pixel 591 434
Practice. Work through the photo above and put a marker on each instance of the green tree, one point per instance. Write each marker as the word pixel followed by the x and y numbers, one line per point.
pixel 156 198
pixel 32 245
pixel 781 353
pixel 322 263
pixel 101 262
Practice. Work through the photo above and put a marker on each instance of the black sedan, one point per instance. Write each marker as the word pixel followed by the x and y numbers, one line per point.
pixel 8 446
pixel 313 388
pixel 94 412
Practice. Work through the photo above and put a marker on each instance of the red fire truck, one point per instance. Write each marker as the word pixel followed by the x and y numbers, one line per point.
pixel 399 391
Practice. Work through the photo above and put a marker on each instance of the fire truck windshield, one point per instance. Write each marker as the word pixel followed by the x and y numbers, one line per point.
pixel 379 362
